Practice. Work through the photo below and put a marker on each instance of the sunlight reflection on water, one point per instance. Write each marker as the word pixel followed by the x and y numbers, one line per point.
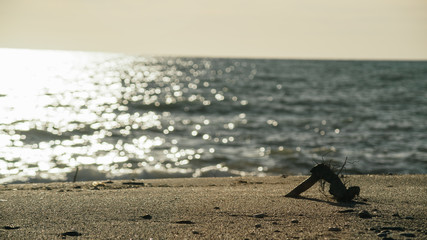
pixel 65 109
pixel 57 110
pixel 119 116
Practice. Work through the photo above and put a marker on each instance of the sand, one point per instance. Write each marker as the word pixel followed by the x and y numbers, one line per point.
pixel 389 207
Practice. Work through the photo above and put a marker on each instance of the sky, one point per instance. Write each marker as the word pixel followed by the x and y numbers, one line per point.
pixel 298 29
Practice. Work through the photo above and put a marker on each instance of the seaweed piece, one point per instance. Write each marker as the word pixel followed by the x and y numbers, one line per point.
pixel 337 188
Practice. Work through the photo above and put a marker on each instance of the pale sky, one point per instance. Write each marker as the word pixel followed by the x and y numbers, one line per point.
pixel 315 29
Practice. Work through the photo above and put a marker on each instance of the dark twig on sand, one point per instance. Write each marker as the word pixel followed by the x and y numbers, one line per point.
pixel 75 174
pixel 337 187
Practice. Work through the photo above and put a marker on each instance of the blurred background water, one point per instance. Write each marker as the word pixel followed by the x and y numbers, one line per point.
pixel 119 116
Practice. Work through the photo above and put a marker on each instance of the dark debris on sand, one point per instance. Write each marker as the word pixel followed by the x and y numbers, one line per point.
pixel 337 188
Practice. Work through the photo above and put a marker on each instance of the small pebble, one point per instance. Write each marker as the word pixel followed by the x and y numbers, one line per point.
pixel 148 216
pixel 185 222
pixel 294 221
pixel 364 214
pixel 195 232
pixel 11 227
pixel 98 184
pixel 260 215
pixel 72 233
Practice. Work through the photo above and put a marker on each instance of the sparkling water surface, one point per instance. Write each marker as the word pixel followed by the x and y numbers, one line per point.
pixel 117 116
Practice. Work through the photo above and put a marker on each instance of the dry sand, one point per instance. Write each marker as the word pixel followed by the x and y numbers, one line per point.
pixel 214 208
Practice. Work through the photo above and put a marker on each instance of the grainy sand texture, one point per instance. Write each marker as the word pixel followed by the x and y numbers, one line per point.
pixel 389 207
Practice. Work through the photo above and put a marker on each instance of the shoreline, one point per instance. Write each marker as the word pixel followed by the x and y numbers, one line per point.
pixel 391 206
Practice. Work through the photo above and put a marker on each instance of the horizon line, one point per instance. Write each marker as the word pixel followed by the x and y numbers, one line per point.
pixel 290 58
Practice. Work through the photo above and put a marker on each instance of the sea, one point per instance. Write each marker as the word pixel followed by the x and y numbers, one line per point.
pixel 83 116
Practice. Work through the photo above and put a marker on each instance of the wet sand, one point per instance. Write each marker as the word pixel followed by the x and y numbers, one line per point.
pixel 214 208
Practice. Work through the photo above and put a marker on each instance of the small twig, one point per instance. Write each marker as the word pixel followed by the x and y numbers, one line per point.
pixel 75 175
pixel 329 151
pixel 342 167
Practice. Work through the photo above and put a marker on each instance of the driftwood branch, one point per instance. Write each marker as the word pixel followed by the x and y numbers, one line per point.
pixel 337 187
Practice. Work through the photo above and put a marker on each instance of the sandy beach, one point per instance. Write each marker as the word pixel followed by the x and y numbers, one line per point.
pixel 389 207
